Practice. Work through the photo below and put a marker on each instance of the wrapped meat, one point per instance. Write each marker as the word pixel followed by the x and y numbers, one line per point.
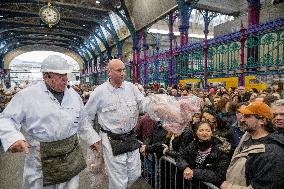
pixel 175 114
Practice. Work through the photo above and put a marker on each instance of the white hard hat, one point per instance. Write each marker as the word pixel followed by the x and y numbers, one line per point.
pixel 55 64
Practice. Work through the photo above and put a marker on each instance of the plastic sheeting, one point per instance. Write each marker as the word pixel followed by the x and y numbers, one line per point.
pixel 96 168
pixel 174 113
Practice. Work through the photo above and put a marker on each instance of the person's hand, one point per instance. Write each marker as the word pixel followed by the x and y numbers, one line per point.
pixel 143 149
pixel 165 148
pixel 225 185
pixel 19 146
pixel 188 173
pixel 96 147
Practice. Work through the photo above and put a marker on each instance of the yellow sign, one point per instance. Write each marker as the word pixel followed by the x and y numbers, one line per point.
pixel 227 81
pixel 251 82
pixel 185 81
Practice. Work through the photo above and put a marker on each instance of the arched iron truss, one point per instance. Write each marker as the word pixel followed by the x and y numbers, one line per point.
pixel 79 29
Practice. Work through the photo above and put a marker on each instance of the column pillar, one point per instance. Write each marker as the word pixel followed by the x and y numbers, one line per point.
pixel 171 36
pixel 136 57
pixel 207 16
pixel 185 9
pixel 253 19
pixel 145 48
pixel 120 51
pixel 253 12
pixel 242 55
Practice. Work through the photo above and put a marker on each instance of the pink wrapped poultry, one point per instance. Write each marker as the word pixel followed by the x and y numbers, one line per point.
pixel 175 114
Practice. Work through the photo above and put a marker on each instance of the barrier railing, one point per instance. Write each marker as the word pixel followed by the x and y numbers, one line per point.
pixel 164 174
pixel 150 169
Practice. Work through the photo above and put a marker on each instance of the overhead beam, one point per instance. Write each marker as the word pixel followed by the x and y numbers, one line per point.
pixel 92 10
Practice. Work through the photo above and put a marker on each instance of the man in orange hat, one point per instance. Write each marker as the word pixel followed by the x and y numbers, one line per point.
pixel 258 159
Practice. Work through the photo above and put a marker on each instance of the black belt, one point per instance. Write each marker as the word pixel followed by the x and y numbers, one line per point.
pixel 122 143
pixel 117 136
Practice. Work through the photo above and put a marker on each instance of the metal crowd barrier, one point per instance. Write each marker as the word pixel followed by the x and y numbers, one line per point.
pixel 163 174
pixel 150 169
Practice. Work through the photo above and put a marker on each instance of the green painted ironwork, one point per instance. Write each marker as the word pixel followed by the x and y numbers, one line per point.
pixel 234 56
pixel 150 70
pixel 163 71
pixel 263 50
pixel 269 50
pixel 128 73
pixel 252 48
pixel 189 64
pixel 224 57
pixel 141 68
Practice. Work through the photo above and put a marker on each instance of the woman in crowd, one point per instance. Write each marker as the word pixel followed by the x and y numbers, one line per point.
pixel 205 159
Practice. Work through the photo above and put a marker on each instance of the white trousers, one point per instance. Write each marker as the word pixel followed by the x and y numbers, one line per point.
pixel 124 169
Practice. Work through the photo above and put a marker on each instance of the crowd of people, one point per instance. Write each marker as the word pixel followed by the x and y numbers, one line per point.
pixel 236 140
pixel 6 94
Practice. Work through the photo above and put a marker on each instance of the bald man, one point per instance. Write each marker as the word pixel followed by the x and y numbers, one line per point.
pixel 117 103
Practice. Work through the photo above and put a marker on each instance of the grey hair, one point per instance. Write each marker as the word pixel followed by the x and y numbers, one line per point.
pixel 278 103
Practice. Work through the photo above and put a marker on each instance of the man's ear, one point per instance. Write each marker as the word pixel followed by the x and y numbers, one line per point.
pixel 262 121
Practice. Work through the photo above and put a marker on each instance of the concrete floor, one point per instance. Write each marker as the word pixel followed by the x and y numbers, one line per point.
pixel 11 171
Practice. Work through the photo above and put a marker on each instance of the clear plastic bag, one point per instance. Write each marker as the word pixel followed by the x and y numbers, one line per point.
pixel 96 169
pixel 157 103
pixel 175 114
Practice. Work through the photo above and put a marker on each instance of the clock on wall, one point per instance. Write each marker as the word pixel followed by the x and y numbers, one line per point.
pixel 49 15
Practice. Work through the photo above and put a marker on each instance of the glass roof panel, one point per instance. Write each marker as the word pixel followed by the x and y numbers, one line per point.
pixel 105 33
pixel 120 27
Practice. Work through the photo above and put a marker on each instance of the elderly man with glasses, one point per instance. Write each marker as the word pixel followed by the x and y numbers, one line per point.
pixel 44 121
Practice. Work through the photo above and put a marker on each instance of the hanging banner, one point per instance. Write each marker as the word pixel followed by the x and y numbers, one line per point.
pixel 227 82
pixel 188 81
pixel 252 82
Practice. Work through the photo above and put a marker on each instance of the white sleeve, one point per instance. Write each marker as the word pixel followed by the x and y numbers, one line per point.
pixel 139 98
pixel 10 121
pixel 91 106
pixel 87 132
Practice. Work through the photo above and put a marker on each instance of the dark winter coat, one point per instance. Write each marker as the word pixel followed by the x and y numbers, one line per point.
pixel 234 135
pixel 260 165
pixel 214 165
pixel 180 142
pixel 155 141
pixel 266 170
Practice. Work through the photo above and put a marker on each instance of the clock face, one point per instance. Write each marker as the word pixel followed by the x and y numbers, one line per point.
pixel 50 15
